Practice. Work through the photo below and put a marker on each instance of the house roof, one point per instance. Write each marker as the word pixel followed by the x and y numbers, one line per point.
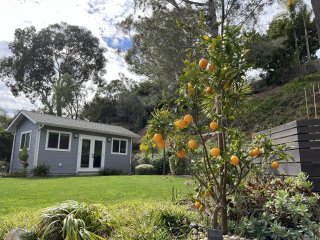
pixel 50 120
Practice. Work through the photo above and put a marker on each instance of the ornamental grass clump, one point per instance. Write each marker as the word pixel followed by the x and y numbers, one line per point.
pixel 74 221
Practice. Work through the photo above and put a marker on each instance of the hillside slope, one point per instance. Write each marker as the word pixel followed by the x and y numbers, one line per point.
pixel 281 104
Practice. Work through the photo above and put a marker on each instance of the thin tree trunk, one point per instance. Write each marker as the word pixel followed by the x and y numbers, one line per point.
pixel 296 45
pixel 307 39
pixel 212 18
pixel 164 162
pixel 316 10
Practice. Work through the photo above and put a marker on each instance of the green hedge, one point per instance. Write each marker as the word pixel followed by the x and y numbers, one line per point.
pixel 144 169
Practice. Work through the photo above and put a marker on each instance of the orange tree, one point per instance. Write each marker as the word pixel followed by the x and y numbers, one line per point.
pixel 210 93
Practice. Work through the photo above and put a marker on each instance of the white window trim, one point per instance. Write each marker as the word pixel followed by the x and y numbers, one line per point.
pixel 57 149
pixel 28 148
pixel 118 153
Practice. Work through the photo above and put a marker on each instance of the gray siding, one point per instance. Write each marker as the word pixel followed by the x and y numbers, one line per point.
pixel 25 125
pixel 68 160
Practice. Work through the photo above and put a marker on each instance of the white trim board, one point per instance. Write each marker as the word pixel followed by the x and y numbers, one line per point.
pixel 30 134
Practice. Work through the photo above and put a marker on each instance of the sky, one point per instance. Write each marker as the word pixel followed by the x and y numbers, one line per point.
pixel 99 16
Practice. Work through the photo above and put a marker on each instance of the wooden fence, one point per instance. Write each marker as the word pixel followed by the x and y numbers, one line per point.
pixel 302 138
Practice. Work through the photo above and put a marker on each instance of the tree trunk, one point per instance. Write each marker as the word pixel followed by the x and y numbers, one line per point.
pixel 316 10
pixel 212 18
pixel 307 39
pixel 164 162
pixel 296 45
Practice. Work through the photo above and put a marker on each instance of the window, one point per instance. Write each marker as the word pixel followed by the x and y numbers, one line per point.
pixel 119 146
pixel 25 140
pixel 59 141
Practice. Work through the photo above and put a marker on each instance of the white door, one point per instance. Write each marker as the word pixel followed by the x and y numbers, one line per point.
pixel 91 153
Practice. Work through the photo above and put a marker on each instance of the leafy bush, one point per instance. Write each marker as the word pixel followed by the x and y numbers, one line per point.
pixel 24 159
pixel 152 221
pixel 144 160
pixel 17 174
pixel 73 220
pixel 109 171
pixel 178 166
pixel 42 170
pixel 144 169
pixel 277 209
pixel 4 166
pixel 157 164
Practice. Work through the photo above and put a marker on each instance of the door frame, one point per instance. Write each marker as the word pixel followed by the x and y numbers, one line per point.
pixel 92 138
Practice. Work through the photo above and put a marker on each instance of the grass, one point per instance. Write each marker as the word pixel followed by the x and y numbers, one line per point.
pixel 279 105
pixel 21 198
pixel 28 194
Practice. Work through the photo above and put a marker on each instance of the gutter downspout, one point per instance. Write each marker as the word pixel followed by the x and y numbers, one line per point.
pixel 12 151
pixel 36 152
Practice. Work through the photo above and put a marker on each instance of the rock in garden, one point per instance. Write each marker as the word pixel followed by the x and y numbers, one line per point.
pixel 193 225
pixel 234 237
pixel 15 234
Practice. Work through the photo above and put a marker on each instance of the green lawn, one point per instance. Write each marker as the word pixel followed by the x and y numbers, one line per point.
pixel 18 195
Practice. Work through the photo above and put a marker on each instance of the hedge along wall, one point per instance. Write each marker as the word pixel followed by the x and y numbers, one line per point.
pixel 302 138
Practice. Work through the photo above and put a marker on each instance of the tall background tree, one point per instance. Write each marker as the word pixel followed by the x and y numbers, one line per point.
pixel 316 10
pixel 5 138
pixel 53 64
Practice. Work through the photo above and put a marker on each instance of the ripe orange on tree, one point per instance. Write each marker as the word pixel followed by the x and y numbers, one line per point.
pixel 257 151
pixel 215 152
pixel 275 165
pixel 192 144
pixel 214 126
pixel 161 144
pixel 157 137
pixel 182 153
pixel 203 63
pixel 234 160
pixel 211 67
pixel 181 124
pixel 209 90
pixel 197 204
pixel 188 118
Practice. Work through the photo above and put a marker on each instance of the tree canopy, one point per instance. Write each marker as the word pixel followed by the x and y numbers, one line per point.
pixel 47 61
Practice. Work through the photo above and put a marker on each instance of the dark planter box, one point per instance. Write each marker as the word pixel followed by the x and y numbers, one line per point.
pixel 215 234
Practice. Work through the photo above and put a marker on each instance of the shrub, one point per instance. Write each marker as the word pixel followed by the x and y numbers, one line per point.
pixel 144 169
pixel 178 166
pixel 277 209
pixel 144 160
pixel 4 166
pixel 17 174
pixel 109 172
pixel 73 220
pixel 157 164
pixel 42 170
pixel 24 159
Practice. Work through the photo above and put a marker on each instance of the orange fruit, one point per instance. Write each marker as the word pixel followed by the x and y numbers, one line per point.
pixel 275 165
pixel 197 204
pixel 251 153
pixel 234 160
pixel 214 126
pixel 215 152
pixel 192 144
pixel 157 137
pixel 188 118
pixel 207 194
pixel 211 67
pixel 161 144
pixel 182 153
pixel 181 124
pixel 257 152
pixel 203 63
pixel 209 90
pixel 201 208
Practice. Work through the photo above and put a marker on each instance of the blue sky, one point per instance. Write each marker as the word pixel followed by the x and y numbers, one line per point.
pixel 100 16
